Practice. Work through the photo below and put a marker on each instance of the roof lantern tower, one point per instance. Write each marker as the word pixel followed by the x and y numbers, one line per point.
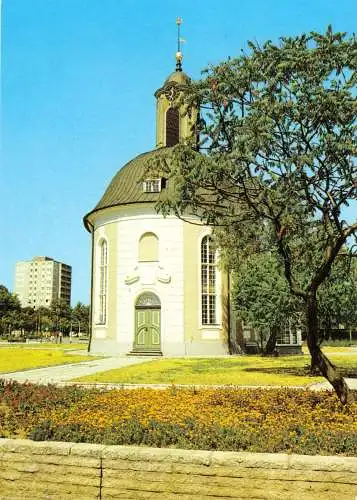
pixel 172 125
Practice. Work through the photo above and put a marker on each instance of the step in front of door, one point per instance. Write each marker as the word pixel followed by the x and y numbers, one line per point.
pixel 145 352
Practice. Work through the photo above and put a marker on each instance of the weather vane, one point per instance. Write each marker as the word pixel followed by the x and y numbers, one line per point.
pixel 179 55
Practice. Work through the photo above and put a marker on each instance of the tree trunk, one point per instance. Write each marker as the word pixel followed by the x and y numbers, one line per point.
pixel 270 345
pixel 233 344
pixel 318 359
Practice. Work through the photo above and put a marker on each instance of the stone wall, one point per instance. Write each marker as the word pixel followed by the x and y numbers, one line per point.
pixel 50 470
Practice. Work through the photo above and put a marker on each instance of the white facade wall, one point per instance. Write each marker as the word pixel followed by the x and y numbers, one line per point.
pixel 164 277
pixel 169 233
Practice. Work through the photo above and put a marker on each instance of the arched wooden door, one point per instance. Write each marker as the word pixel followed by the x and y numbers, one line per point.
pixel 147 323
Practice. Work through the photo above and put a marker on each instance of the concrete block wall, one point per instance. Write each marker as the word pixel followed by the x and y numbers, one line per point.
pixel 50 470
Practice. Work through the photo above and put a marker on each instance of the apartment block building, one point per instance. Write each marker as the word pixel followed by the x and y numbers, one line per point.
pixel 40 281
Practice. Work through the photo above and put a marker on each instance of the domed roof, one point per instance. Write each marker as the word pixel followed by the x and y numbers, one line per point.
pixel 178 77
pixel 126 186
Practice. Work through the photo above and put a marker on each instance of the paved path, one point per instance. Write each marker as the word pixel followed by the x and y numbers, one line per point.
pixel 62 373
pixel 351 382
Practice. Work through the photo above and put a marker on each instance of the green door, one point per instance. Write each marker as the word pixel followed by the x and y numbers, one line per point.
pixel 147 329
pixel 147 323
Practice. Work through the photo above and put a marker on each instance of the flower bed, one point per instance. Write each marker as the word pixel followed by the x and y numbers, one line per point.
pixel 257 420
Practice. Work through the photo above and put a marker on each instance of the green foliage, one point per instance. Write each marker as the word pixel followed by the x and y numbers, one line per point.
pixel 8 301
pixel 60 313
pixel 21 404
pixel 238 420
pixel 338 297
pixel 278 124
pixel 80 318
pixel 262 298
pixel 340 343
pixel 9 308
pixel 261 294
pixel 278 128
pixel 42 320
pixel 199 437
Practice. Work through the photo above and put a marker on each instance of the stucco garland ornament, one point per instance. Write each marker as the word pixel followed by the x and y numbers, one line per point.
pixel 129 280
pixel 161 276
pixel 133 277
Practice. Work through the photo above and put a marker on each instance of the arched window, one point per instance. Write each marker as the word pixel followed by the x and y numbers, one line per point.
pixel 172 127
pixel 148 248
pixel 208 281
pixel 103 281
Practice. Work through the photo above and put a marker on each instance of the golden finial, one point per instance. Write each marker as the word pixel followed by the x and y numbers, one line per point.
pixel 179 55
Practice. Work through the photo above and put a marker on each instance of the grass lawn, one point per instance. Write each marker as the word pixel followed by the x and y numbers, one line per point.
pixel 328 349
pixel 46 345
pixel 236 370
pixel 26 357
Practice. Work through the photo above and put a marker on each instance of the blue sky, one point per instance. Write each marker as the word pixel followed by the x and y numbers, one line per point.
pixel 78 78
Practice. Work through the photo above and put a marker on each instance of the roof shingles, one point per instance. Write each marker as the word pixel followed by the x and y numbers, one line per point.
pixel 126 186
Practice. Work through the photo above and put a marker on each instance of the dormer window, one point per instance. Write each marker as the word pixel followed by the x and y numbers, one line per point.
pixel 152 186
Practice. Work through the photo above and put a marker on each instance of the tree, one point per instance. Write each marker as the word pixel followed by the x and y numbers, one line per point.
pixel 278 129
pixel 337 298
pixel 80 317
pixel 43 320
pixel 27 320
pixel 261 296
pixel 8 301
pixel 60 315
pixel 9 308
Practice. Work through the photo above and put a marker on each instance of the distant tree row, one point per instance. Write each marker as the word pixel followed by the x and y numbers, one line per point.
pixel 43 321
